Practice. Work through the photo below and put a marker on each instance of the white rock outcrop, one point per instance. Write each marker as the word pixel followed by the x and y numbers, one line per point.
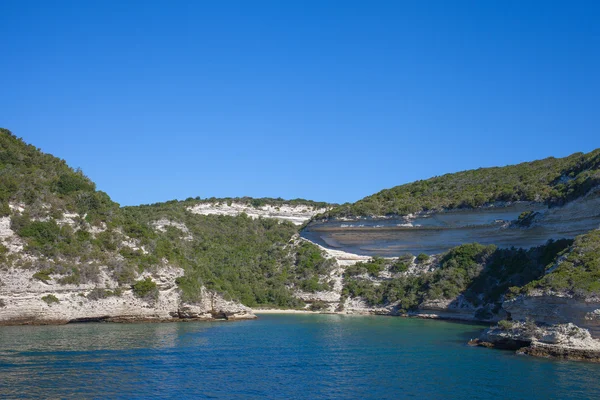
pixel 552 309
pixel 296 214
pixel 26 300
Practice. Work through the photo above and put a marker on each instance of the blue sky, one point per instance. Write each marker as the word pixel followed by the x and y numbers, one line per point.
pixel 326 100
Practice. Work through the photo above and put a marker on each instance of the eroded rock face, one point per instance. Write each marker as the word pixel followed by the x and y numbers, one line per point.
pixel 434 233
pixel 458 309
pixel 566 341
pixel 24 300
pixel 556 309
pixel 214 306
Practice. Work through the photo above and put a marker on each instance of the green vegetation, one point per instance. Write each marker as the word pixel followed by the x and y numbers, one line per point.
pixel 578 273
pixel 422 258
pixel 145 288
pixel 253 261
pixel 250 260
pixel 318 306
pixel 259 262
pixel 43 275
pixel 99 293
pixel 309 265
pixel 482 274
pixel 372 267
pixel 552 180
pixel 505 325
pixel 401 264
pixel 4 253
pixel 50 299
pixel 30 177
pixel 260 202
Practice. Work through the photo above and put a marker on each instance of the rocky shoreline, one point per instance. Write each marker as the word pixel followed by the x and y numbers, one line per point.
pixel 561 341
pixel 26 301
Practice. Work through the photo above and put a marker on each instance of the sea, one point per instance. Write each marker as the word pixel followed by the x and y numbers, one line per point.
pixel 278 356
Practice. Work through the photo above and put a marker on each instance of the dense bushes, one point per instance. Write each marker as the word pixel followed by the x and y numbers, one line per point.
pixel 372 267
pixel 250 260
pixel 578 273
pixel 68 183
pixel 34 178
pixel 401 264
pixel 257 263
pixel 483 274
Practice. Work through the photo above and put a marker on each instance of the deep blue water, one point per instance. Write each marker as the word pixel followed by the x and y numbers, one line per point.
pixel 278 356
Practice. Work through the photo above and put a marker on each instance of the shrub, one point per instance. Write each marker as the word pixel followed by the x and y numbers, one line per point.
pixel 373 267
pixel 4 209
pixel 505 325
pixel 524 215
pixel 313 285
pixel 318 305
pixel 43 233
pixel 145 289
pixel 399 266
pixel 72 279
pixel 43 275
pixel 579 271
pixel 422 258
pixel 72 182
pixel 99 293
pixel 530 328
pixel 50 299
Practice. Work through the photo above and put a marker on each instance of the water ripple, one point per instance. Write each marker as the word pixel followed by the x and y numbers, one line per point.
pixel 277 356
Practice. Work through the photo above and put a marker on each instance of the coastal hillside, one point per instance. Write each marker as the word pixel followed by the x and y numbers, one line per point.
pixel 68 252
pixel 551 181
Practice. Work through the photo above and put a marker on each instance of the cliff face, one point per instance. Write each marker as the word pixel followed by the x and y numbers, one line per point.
pixel 27 300
pixel 556 309
pixel 38 289
pixel 436 232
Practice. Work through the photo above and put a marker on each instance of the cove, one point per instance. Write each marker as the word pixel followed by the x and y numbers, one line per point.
pixel 278 356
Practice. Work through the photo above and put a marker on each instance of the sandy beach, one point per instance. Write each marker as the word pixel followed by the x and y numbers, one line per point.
pixel 275 311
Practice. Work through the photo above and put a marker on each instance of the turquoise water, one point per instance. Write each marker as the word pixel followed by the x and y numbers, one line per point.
pixel 278 356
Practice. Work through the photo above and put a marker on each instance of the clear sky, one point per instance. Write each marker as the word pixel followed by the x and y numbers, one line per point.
pixel 325 100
